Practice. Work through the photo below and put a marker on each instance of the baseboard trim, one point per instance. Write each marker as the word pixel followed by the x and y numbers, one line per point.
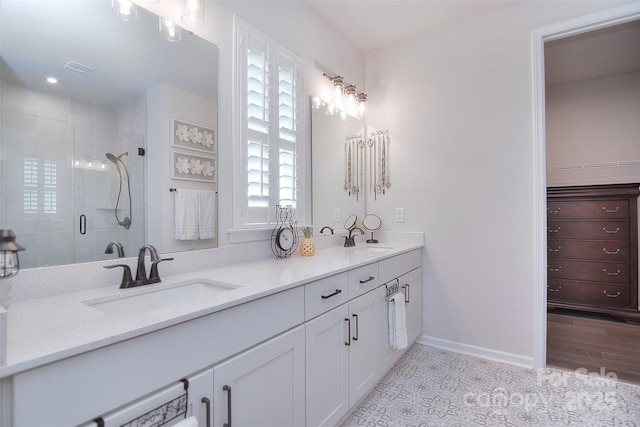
pixel 472 350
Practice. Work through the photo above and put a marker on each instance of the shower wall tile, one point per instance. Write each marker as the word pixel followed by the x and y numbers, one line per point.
pixel 81 108
pixel 20 95
pixel 59 116
pixel 21 121
pixel 52 103
pixel 20 143
pixel 53 127
pixel 105 113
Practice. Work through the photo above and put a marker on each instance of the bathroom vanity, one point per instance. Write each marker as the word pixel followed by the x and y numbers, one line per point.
pixel 273 342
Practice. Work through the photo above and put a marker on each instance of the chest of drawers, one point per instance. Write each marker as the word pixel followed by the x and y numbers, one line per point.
pixel 592 249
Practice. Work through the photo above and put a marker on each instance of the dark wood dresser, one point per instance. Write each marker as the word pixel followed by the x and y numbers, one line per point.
pixel 592 249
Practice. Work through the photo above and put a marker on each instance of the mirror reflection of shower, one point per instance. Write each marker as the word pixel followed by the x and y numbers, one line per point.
pixel 117 161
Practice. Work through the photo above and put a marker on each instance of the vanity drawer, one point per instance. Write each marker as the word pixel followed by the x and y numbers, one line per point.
pixel 363 279
pixel 588 230
pixel 324 294
pixel 598 250
pixel 394 267
pixel 583 209
pixel 608 272
pixel 575 291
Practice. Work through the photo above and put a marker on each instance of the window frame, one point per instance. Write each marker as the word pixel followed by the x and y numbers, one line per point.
pixel 242 225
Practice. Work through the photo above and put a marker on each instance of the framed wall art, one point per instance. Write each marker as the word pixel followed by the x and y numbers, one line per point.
pixel 193 166
pixel 193 137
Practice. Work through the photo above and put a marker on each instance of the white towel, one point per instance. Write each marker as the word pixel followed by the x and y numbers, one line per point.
pixel 187 213
pixel 207 219
pixel 397 322
pixel 187 422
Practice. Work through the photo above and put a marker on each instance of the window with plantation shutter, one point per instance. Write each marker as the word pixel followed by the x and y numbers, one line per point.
pixel 269 98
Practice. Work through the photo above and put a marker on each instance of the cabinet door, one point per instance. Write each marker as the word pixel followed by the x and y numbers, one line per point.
pixel 263 386
pixel 327 368
pixel 362 351
pixel 411 285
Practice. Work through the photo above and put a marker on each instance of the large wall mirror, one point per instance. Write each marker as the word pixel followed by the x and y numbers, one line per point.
pixel 72 166
pixel 337 166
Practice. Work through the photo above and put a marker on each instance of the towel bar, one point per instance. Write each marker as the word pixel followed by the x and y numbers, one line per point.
pixel 392 289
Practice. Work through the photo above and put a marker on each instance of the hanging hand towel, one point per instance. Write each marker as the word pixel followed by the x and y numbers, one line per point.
pixel 187 213
pixel 397 322
pixel 187 422
pixel 207 218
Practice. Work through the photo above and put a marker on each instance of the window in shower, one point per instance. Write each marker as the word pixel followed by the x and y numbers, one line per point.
pixel 40 179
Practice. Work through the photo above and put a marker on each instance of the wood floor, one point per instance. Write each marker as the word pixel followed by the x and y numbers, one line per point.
pixel 593 342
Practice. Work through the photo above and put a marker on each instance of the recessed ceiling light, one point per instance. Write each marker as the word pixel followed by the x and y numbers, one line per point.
pixel 52 80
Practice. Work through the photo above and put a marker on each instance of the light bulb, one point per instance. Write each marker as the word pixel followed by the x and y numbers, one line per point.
pixel 124 9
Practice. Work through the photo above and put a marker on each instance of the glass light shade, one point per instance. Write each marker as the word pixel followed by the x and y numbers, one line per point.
pixel 169 30
pixel 9 261
pixel 193 14
pixel 124 9
pixel 362 104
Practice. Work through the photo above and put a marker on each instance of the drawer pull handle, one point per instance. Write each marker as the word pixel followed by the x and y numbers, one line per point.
pixel 228 390
pixel 346 319
pixel 611 296
pixel 332 295
pixel 207 404
pixel 554 250
pixel 356 337
pixel 550 230
pixel 611 274
pixel 554 290
pixel 611 210
pixel 611 252
pixel 554 269
pixel 611 231
pixel 362 282
pixel 555 210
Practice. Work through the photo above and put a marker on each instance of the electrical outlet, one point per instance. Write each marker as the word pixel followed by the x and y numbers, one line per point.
pixel 336 215
pixel 399 214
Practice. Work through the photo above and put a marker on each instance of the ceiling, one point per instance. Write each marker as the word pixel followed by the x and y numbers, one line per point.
pixel 376 24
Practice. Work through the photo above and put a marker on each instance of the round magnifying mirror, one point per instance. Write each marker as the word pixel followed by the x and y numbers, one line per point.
pixel 350 222
pixel 371 222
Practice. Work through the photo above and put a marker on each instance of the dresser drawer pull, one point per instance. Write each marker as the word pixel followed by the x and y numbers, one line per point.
pixel 611 210
pixel 554 230
pixel 611 231
pixel 332 295
pixel 554 211
pixel 554 250
pixel 362 282
pixel 616 252
pixel 611 296
pixel 611 274
pixel 554 269
pixel 554 290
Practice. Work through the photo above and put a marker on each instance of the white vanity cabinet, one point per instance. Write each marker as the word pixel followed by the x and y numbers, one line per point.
pixel 340 359
pixel 410 285
pixel 263 386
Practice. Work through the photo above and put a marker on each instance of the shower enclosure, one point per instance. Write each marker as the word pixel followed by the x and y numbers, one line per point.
pixel 63 195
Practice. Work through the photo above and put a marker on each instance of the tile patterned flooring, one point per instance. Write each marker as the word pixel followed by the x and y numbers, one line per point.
pixel 431 387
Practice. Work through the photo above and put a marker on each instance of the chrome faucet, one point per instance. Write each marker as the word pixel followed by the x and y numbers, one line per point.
pixel 349 240
pixel 141 272
pixel 119 247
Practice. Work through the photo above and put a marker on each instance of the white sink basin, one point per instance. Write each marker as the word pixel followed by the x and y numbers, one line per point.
pixel 149 298
pixel 365 250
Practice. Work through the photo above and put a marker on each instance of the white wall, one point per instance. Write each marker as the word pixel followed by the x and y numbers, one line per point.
pixel 595 121
pixel 459 106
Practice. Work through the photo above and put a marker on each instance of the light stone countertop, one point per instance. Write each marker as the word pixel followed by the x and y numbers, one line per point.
pixel 45 330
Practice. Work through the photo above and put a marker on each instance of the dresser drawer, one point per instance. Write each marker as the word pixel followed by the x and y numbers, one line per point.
pixel 597 250
pixel 588 209
pixel 608 272
pixel 575 291
pixel 588 230
pixel 325 294
pixel 363 279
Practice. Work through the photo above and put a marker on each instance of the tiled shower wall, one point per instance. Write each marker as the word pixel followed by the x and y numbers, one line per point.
pixel 54 169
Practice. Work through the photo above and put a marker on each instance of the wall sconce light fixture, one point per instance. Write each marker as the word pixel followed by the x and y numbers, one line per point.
pixel 193 13
pixel 124 9
pixel 9 261
pixel 169 30
pixel 346 97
